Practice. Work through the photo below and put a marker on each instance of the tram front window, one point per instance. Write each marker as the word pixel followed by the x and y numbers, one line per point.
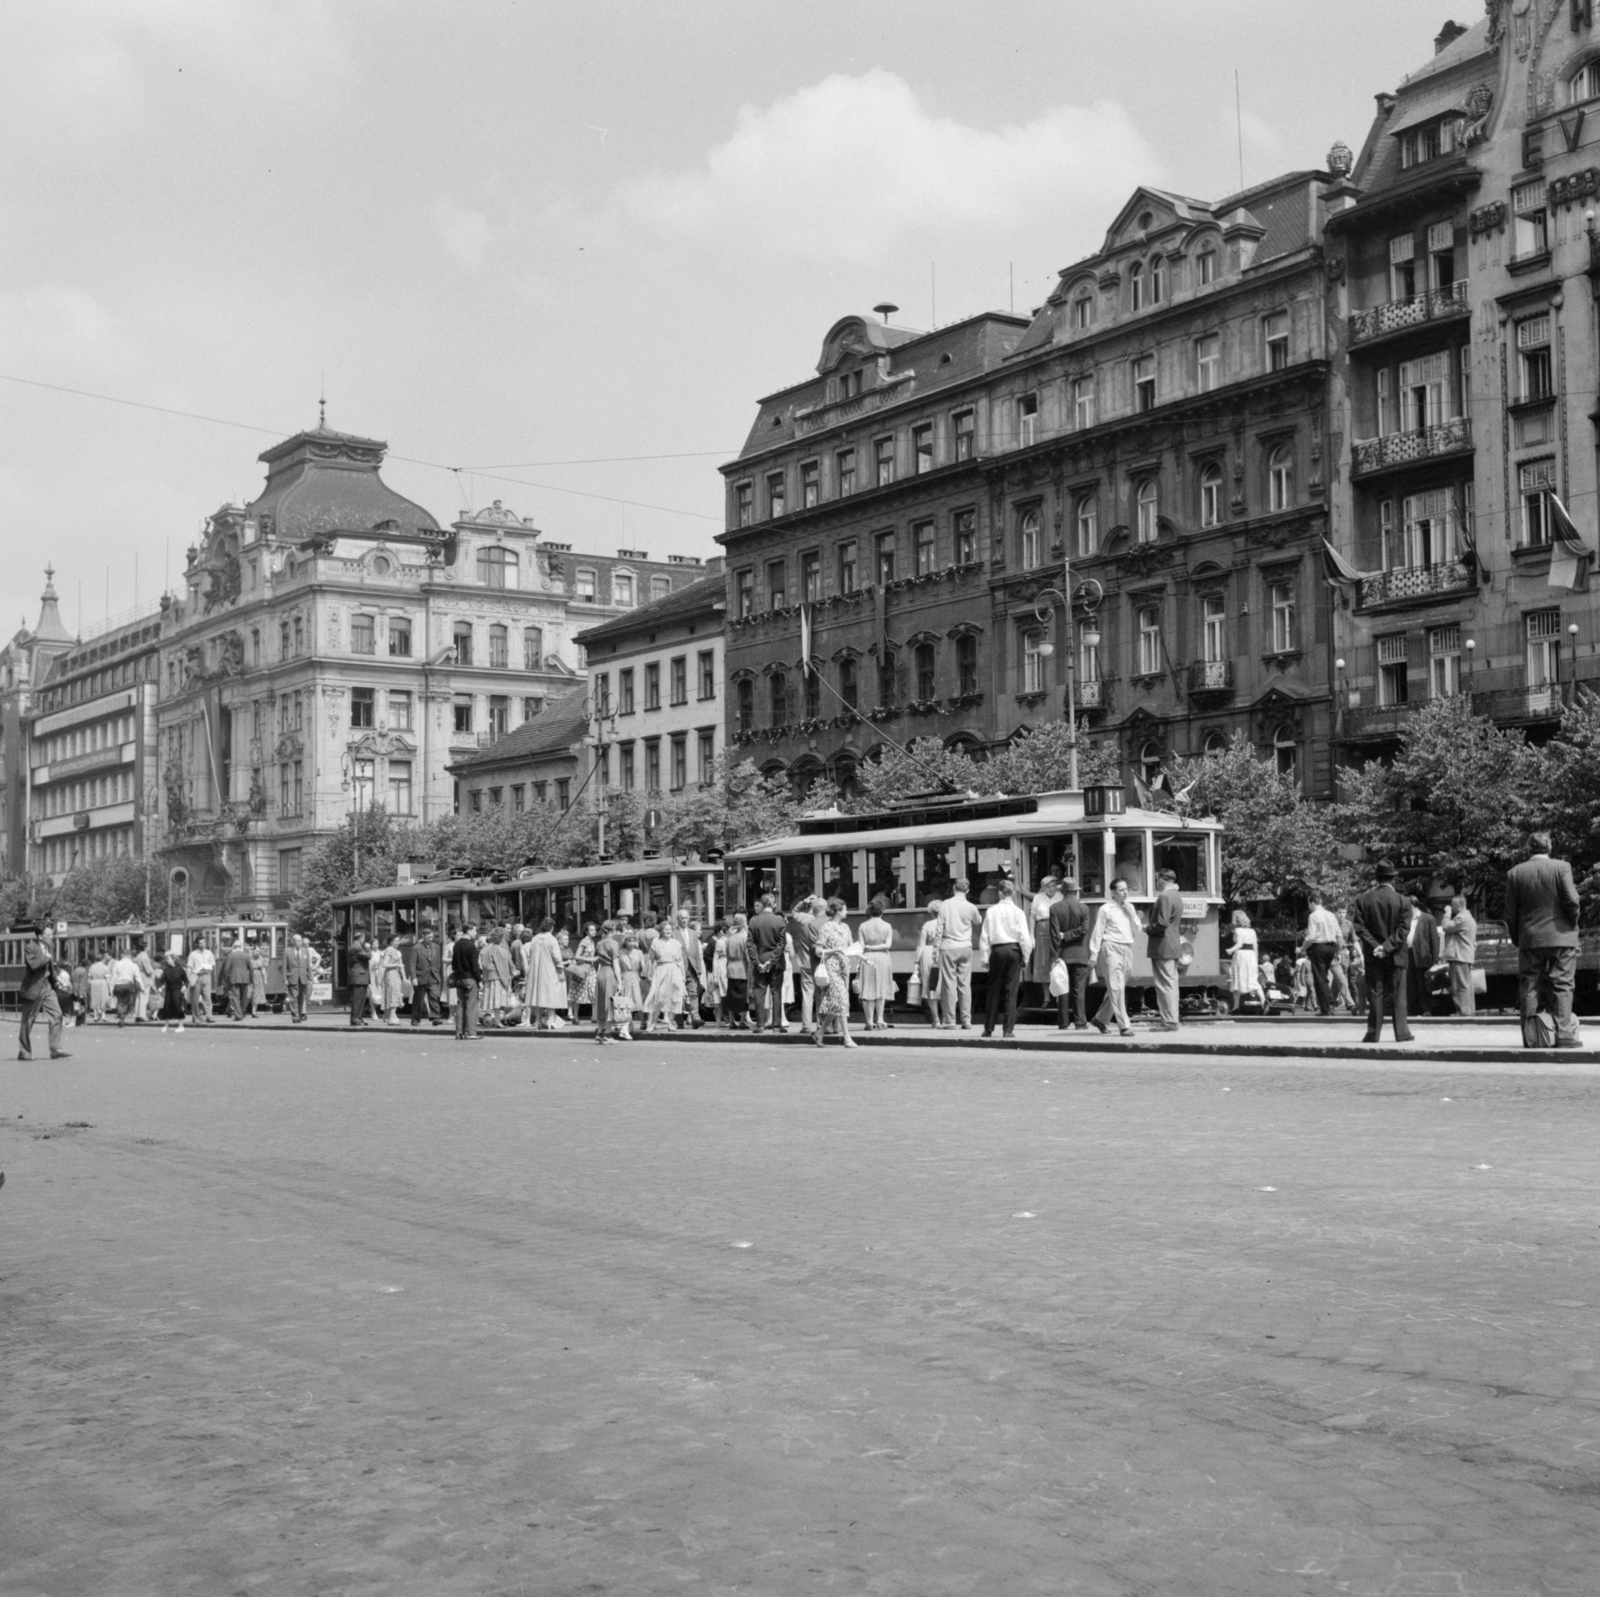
pixel 428 916
pixel 1130 863
pixel 692 896
pixel 799 878
pixel 1185 854
pixel 839 879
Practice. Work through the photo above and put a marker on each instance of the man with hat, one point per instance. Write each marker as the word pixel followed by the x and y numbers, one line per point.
pixel 1382 920
pixel 38 993
pixel 1166 944
pixel 1069 942
pixel 1542 910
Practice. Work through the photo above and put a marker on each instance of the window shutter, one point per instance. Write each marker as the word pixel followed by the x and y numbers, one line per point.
pixel 1441 236
pixel 1402 249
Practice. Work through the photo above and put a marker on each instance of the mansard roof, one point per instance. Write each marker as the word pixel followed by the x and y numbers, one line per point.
pixel 321 482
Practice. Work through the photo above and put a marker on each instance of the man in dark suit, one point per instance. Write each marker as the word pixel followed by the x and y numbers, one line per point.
pixel 358 962
pixel 466 977
pixel 1382 918
pixel 1166 943
pixel 37 993
pixel 1422 954
pixel 1069 942
pixel 1542 920
pixel 425 978
pixel 298 970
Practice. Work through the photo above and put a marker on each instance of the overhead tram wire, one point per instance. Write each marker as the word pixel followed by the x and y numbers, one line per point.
pixel 410 460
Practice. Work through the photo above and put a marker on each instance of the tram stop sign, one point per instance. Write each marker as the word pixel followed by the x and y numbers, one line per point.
pixel 652 819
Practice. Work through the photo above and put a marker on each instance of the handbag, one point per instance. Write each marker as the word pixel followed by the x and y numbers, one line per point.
pixel 822 977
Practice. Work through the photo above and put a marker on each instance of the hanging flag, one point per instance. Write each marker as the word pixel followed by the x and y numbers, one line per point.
pixel 880 613
pixel 1141 791
pixel 1337 569
pixel 1470 557
pixel 805 639
pixel 1569 554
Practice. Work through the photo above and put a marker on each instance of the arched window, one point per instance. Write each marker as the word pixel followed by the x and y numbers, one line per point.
pixel 1287 753
pixel 622 590
pixel 1032 540
pixel 1150 640
pixel 1280 478
pixel 1216 745
pixel 778 693
pixel 745 697
pixel 1087 519
pixel 886 665
pixel 1158 278
pixel 844 775
pixel 1083 310
pixel 1150 762
pixel 1211 494
pixel 1136 286
pixel 1145 506
pixel 849 682
pixel 813 693
pixel 497 567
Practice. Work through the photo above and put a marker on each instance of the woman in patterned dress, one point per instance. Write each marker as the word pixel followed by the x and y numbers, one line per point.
pixel 833 997
pixel 877 972
pixel 581 973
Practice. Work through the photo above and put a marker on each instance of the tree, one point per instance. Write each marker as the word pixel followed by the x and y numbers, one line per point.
pixel 26 898
pixel 103 892
pixel 1567 781
pixel 1461 792
pixel 360 854
pixel 738 806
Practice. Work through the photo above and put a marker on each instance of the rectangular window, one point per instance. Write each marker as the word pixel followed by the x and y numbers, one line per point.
pixel 462 635
pixel 1275 333
pixel 626 774
pixel 922 540
pixel 462 707
pixel 744 498
pixel 400 710
pixel 1150 640
pixel 1208 267
pixel 963 435
pixel 886 665
pixel 499 715
pixel 845 465
pixel 884 546
pixel 1402 268
pixel 1214 645
pixel 812 688
pixel 299 635
pixel 563 792
pixel 363 635
pixel 652 685
pixel 519 797
pixel 1208 362
pixel 810 484
pixel 1530 232
pixel 1144 382
pixel 625 705
pixel 1032 663
pixel 745 585
pixel 602 692
pixel 531 707
pixel 1444 662
pixel 708 674
pixel 811 576
pixel 1430 536
pixel 967 664
pixel 283 640
pixel 255 650
pixel 541 791
pixel 775 494
pixel 399 638
pixel 499 647
pixel 706 756
pixel 362 707
pixel 1544 648
pixel 776 598
pixel 883 457
pixel 679 678
pixel 399 787
pixel 1027 420
pixel 1424 386
pixel 964 527
pixel 1393 686
pixel 1441 256
pixel 849 689
pixel 289 860
pixel 583 589
pixel 622 590
pixel 652 765
pixel 922 447
pixel 1533 358
pixel 847 567
pixel 1083 402
pixel 1284 630
pixel 1536 480
pixel 679 769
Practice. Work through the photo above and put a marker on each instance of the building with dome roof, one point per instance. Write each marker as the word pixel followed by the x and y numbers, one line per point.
pixel 335 646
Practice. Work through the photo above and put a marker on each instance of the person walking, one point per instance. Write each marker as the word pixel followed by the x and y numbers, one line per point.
pixel 1069 943
pixel 665 998
pixel 174 992
pixel 1321 946
pixel 1422 954
pixel 465 977
pixel 1166 944
pixel 1459 949
pixel 694 972
pixel 125 987
pixel 833 975
pixel 1542 909
pixel 149 981
pixel 1004 944
pixel 37 992
pixel 297 977
pixel 1111 945
pixel 767 964
pixel 1382 921
pixel 426 979
pixel 1244 963
pixel 1048 895
pixel 388 982
pixel 201 967
pixel 958 920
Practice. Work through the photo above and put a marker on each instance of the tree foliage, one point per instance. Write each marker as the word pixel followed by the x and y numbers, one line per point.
pixel 1567 781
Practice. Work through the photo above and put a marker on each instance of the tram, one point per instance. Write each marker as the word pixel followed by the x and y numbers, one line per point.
pixel 912 854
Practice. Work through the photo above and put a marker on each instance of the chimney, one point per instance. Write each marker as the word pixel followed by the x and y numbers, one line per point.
pixel 1385 103
pixel 1447 35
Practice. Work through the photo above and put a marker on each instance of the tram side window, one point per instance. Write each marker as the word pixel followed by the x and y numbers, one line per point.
pixel 1186 854
pixel 1130 863
pixel 799 873
pixel 361 920
pixel 760 876
pixel 1092 876
pixel 382 924
pixel 1052 856
pixel 405 919
pixel 886 876
pixel 938 865
pixel 658 895
pixel 984 862
pixel 839 879
pixel 692 896
pixel 594 902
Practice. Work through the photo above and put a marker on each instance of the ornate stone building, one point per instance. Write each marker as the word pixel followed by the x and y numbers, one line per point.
pixel 1160 420
pixel 1466 272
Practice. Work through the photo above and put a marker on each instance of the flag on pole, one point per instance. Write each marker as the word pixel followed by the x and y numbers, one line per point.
pixel 1569 554
pixel 805 639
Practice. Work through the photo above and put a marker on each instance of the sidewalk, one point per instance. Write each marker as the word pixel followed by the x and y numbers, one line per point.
pixel 1487 1038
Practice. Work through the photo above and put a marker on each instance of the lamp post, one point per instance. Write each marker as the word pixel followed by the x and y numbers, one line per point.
pixel 1087 597
pixel 1471 646
pixel 1572 634
pixel 350 777
pixel 596 715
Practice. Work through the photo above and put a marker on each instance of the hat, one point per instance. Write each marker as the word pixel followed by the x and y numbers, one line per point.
pixel 1068 884
pixel 1386 871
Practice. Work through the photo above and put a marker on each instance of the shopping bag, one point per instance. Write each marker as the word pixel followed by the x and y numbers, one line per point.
pixel 1060 979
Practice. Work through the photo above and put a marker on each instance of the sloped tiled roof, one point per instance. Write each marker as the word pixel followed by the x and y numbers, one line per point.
pixel 552 731
pixel 695 598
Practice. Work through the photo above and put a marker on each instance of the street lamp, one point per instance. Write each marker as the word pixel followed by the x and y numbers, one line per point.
pixel 1572 634
pixel 1087 598
pixel 596 715
pixel 350 777
pixel 1471 646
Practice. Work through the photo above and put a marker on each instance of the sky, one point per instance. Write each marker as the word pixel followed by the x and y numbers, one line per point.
pixel 552 254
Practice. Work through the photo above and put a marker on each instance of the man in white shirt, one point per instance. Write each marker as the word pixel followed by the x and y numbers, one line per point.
pixel 1005 943
pixel 125 987
pixel 1321 946
pixel 957 921
pixel 201 963
pixel 1111 945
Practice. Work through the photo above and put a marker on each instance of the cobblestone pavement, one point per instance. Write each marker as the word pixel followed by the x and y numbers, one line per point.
pixel 286 1312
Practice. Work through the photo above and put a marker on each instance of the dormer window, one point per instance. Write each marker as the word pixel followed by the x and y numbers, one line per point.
pixel 497 568
pixel 1136 286
pixel 1083 310
pixel 850 384
pixel 1206 266
pixel 1428 142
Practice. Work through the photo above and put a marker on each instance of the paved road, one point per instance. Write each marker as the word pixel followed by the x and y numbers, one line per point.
pixel 289 1313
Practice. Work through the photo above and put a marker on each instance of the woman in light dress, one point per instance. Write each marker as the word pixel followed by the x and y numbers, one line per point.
pixel 495 973
pixel 928 960
pixel 877 970
pixel 716 988
pixel 666 982
pixel 632 966
pixel 258 980
pixel 736 951
pixel 99 989
pixel 610 1011
pixel 833 996
pixel 1044 900
pixel 1244 963
pixel 547 976
pixel 388 974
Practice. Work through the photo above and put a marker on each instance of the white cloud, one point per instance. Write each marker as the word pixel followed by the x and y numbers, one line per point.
pixel 465 233
pixel 44 329
pixel 850 167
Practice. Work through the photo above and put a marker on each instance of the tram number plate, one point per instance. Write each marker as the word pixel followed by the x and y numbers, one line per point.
pixel 1195 909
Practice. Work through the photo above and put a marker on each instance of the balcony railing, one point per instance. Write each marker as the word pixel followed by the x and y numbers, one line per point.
pixel 1399 449
pixel 1413 582
pixel 1376 721
pixel 1211 676
pixel 1521 704
pixel 1095 695
pixel 1437 305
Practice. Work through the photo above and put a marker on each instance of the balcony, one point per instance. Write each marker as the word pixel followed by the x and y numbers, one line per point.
pixel 1515 706
pixel 1376 723
pixel 1093 698
pixel 1437 305
pixel 1211 677
pixel 1408 584
pixel 1403 449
